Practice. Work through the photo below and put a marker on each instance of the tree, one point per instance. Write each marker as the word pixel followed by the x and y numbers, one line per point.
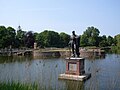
pixel 64 39
pixel 35 36
pixel 90 37
pixel 3 37
pixel 84 40
pixel 103 41
pixel 117 38
pixel 20 37
pixel 48 39
pixel 110 40
pixel 116 47
pixel 29 39
pixel 94 35
pixel 39 40
pixel 11 36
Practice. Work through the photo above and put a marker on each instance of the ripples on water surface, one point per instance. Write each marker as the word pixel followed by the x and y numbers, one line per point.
pixel 105 73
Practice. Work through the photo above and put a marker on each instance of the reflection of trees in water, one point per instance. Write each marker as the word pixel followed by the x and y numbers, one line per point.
pixel 115 49
pixel 9 59
pixel 104 73
pixel 96 57
pixel 93 82
pixel 74 85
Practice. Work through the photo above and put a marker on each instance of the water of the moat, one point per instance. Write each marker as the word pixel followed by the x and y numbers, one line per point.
pixel 105 73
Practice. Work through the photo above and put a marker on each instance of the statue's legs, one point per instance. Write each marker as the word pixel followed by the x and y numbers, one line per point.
pixel 77 46
pixel 77 51
pixel 73 48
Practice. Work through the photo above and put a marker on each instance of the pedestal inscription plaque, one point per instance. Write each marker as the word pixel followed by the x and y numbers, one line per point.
pixel 72 67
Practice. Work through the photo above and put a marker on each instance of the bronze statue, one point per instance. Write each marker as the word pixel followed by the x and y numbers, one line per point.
pixel 75 43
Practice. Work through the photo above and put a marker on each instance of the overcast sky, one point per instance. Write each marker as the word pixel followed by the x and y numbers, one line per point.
pixel 62 15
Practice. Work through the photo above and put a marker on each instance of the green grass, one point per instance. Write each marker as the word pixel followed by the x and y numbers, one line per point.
pixel 116 49
pixel 18 86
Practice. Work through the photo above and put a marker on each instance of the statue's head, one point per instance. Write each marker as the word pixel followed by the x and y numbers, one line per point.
pixel 73 32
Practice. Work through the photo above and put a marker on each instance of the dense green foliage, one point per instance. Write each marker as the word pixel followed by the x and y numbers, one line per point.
pixel 7 36
pixel 19 38
pixel 52 39
pixel 48 39
pixel 17 86
pixel 90 37
pixel 64 39
pixel 117 40
pixel 29 39
pixel 116 48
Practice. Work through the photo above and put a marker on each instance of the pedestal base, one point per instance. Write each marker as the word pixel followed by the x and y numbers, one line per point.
pixel 74 77
pixel 75 66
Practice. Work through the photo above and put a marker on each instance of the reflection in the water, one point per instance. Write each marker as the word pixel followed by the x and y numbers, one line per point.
pixel 74 85
pixel 105 72
pixel 10 59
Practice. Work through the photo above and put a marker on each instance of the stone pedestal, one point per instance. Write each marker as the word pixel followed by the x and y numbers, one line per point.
pixel 75 66
pixel 75 70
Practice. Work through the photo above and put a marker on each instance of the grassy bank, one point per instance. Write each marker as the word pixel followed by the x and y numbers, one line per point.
pixel 17 86
pixel 116 49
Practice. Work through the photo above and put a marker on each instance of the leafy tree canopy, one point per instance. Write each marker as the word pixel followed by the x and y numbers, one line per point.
pixel 64 39
pixel 90 37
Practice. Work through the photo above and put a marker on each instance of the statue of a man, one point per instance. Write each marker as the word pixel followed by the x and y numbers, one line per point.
pixel 75 43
